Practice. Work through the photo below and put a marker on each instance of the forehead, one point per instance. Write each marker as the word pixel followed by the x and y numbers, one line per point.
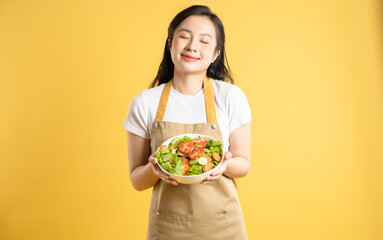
pixel 197 24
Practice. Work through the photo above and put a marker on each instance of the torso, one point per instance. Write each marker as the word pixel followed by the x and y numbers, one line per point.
pixel 193 211
pixel 188 109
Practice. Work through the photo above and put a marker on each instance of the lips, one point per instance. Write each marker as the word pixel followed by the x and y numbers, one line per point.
pixel 188 57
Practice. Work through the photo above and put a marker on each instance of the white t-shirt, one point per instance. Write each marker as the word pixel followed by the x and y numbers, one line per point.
pixel 232 109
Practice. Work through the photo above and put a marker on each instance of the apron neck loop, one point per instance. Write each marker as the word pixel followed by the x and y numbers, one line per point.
pixel 209 100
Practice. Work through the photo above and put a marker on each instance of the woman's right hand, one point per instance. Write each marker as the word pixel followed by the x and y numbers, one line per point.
pixel 156 169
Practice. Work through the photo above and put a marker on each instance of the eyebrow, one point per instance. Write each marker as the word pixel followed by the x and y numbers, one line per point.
pixel 187 30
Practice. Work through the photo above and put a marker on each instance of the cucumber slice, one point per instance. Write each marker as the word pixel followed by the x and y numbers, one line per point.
pixel 167 157
pixel 182 155
pixel 166 166
pixel 192 162
pixel 202 160
pixel 175 141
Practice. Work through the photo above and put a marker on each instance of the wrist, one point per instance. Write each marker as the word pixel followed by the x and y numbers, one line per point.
pixel 227 162
pixel 149 168
pixel 152 170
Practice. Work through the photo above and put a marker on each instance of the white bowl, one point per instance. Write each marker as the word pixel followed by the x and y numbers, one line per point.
pixel 192 179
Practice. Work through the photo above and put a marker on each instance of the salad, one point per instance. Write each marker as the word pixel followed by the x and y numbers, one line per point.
pixel 188 156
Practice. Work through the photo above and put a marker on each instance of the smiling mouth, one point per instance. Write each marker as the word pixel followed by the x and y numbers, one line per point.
pixel 189 58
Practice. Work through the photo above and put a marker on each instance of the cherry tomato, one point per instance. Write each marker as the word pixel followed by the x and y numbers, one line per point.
pixel 186 147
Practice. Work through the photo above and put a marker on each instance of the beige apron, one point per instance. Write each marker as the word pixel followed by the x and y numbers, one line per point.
pixel 193 211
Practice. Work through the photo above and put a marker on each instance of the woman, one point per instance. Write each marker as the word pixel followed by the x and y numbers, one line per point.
pixel 189 95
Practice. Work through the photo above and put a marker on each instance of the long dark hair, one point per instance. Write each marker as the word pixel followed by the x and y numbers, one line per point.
pixel 217 70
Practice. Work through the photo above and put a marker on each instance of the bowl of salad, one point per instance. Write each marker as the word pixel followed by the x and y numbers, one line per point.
pixel 189 158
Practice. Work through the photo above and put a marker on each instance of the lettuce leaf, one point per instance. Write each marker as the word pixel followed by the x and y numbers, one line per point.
pixel 178 169
pixel 195 169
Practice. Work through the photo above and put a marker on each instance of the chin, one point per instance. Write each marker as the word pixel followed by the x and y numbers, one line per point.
pixel 190 69
pixel 187 68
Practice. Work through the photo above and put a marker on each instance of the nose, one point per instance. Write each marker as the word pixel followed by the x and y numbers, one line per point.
pixel 191 45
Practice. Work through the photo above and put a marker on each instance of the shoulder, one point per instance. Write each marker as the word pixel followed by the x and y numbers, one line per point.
pixel 148 96
pixel 226 89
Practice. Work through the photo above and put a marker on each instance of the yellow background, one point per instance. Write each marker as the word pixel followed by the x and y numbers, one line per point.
pixel 312 72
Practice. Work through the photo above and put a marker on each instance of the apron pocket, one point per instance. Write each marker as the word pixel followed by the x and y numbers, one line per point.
pixel 192 226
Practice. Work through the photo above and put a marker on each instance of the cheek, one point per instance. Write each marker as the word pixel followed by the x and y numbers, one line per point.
pixel 177 44
pixel 208 54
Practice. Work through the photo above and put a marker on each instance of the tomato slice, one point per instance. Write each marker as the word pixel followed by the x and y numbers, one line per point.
pixel 200 151
pixel 162 146
pixel 194 154
pixel 201 143
pixel 186 147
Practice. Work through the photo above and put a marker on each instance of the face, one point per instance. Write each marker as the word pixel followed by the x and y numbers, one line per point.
pixel 193 45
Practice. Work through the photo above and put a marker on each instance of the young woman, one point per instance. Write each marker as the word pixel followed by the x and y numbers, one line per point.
pixel 190 95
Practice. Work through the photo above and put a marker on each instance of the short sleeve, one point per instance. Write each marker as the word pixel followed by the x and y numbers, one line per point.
pixel 238 108
pixel 137 117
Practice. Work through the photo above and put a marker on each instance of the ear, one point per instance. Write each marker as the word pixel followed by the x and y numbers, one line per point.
pixel 216 54
pixel 170 44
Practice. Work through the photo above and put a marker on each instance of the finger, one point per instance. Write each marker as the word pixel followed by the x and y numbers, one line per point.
pixel 219 170
pixel 228 155
pixel 212 178
pixel 205 182
pixel 216 173
pixel 170 181
pixel 160 173
pixel 153 160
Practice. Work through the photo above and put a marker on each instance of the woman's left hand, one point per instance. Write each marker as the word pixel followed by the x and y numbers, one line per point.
pixel 220 169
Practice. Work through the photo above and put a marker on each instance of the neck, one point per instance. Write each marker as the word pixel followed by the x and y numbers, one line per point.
pixel 188 84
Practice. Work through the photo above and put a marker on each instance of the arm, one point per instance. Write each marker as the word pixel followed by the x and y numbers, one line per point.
pixel 236 162
pixel 143 170
pixel 239 165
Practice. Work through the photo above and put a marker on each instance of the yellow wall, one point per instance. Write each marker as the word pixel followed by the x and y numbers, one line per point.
pixel 312 71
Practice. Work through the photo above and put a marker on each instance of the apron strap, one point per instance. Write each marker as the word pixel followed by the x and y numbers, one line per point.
pixel 163 101
pixel 209 100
